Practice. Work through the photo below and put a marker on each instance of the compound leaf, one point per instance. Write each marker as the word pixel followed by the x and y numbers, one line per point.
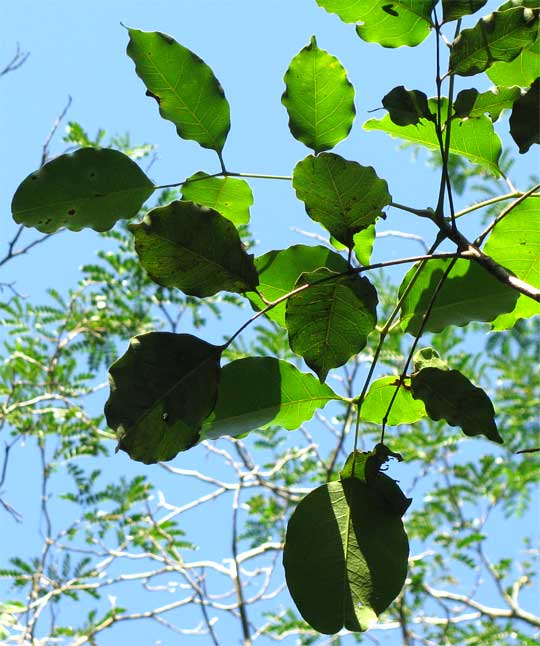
pixel 344 196
pixel 500 36
pixel 280 269
pixel 469 293
pixel 525 118
pixel 257 392
pixel 515 244
pixel 185 88
pixel 88 188
pixel 319 98
pixel 449 395
pixel 474 139
pixel 195 249
pixel 405 409
pixel 229 196
pixel 330 321
pixel 162 389
pixel 345 556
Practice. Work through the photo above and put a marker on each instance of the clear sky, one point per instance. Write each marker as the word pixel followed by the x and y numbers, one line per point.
pixel 77 49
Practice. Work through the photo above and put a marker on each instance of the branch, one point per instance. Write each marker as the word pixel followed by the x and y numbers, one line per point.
pixel 18 59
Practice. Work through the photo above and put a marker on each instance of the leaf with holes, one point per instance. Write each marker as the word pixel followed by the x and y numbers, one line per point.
pixel 500 36
pixel 257 392
pixel 515 244
pixel 162 389
pixel 345 556
pixel 280 269
pixel 195 249
pixel 344 196
pixel 449 395
pixel 185 88
pixel 469 293
pixel 229 196
pixel 330 321
pixel 88 188
pixel 474 139
pixel 405 409
pixel 319 98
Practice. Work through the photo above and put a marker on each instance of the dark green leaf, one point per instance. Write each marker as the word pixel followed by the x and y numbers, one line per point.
pixel 228 196
pixel 345 556
pixel 407 107
pixel 257 392
pixel 342 195
pixel 472 104
pixel 428 358
pixel 522 71
pixel 88 188
pixel 319 98
pixel 162 389
pixel 405 409
pixel 185 88
pixel 280 269
pixel 454 9
pixel 500 36
pixel 195 249
pixel 525 118
pixel 449 395
pixel 329 322
pixel 515 244
pixel 363 244
pixel 474 139
pixel 469 293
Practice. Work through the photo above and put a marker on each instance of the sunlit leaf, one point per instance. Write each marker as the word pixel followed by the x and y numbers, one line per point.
pixel 162 389
pixel 195 249
pixel 515 244
pixel 391 24
pixel 258 392
pixel 185 88
pixel 522 71
pixel 407 107
pixel 330 321
pixel 345 556
pixel 469 293
pixel 405 409
pixel 280 269
pixel 319 98
pixel 428 358
pixel 342 195
pixel 454 9
pixel 473 104
pixel 500 36
pixel 229 196
pixel 449 395
pixel 88 188
pixel 474 139
pixel 525 118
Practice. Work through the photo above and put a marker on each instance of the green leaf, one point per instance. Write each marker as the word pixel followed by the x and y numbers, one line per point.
pixel 407 107
pixel 228 196
pixel 473 104
pixel 258 392
pixel 162 389
pixel 500 36
pixel 280 269
pixel 428 358
pixel 515 244
pixel 525 118
pixel 329 322
pixel 391 24
pixel 185 88
pixel 362 244
pixel 342 195
pixel 449 395
pixel 469 293
pixel 345 556
pixel 454 9
pixel 195 249
pixel 474 139
pixel 405 409
pixel 88 188
pixel 319 98
pixel 522 71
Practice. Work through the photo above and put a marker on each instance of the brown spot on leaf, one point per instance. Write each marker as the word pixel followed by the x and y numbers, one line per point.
pixel 71 212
